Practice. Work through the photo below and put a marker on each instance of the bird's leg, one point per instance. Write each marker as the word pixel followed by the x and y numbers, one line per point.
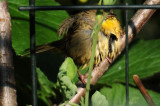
pixel 82 77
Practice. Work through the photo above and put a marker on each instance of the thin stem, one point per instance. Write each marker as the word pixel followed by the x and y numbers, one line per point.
pixel 143 90
pixel 95 35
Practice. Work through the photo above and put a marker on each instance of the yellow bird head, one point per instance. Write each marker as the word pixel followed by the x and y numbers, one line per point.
pixel 111 26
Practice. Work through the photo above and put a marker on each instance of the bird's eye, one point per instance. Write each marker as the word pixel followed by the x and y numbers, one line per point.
pixel 113 37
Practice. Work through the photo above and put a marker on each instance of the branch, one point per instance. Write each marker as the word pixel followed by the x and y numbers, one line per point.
pixel 7 82
pixel 134 26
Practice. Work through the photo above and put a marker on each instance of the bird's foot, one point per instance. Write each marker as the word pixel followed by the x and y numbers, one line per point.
pixel 82 77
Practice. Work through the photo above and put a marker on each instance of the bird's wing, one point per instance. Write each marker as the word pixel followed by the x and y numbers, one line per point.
pixel 65 26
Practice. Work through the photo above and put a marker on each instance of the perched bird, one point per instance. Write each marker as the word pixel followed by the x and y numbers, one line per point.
pixel 77 40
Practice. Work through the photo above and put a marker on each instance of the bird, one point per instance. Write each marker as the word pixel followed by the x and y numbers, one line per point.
pixel 77 40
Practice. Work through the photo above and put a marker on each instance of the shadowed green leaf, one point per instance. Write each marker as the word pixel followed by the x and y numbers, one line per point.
pixel 47 87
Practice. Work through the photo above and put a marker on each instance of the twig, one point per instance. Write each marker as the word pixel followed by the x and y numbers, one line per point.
pixel 7 82
pixel 143 90
pixel 135 25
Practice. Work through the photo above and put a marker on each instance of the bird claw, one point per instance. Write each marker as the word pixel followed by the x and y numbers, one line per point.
pixel 82 77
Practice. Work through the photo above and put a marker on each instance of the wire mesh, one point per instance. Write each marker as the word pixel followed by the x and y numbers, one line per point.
pixel 33 55
pixel 127 58
pixel 88 7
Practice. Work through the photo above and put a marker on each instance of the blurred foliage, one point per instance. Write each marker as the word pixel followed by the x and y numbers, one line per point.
pixel 144 59
pixel 47 88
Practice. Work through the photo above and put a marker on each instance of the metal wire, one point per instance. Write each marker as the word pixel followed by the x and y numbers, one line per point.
pixel 32 51
pixel 26 8
pixel 127 58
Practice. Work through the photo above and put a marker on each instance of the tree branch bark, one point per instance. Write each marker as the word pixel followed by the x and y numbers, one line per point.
pixel 134 26
pixel 7 82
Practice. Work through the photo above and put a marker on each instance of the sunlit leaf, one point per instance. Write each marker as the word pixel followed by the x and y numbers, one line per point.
pixel 99 100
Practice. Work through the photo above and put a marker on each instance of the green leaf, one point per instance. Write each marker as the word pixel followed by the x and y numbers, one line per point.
pixel 47 87
pixel 144 60
pixel 99 100
pixel 69 68
pixel 82 102
pixel 116 96
pixel 47 23
pixel 109 2
pixel 67 77
pixel 67 88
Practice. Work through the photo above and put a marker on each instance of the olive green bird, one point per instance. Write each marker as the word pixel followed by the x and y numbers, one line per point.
pixel 77 40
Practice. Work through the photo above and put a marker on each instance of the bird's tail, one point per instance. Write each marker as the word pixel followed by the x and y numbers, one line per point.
pixel 57 46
